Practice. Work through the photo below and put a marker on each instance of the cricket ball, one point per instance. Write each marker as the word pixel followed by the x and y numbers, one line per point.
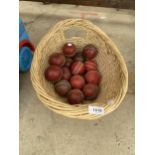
pixel 66 73
pixel 93 77
pixel 62 87
pixel 69 49
pixel 53 73
pixel 68 62
pixel 79 57
pixel 77 67
pixel 89 51
pixel 77 81
pixel 57 59
pixel 75 96
pixel 90 65
pixel 91 91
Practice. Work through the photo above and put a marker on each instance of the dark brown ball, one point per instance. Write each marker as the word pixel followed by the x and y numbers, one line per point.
pixel 66 73
pixel 91 91
pixel 69 61
pixel 57 59
pixel 69 49
pixel 79 57
pixel 90 65
pixel 62 87
pixel 93 77
pixel 90 51
pixel 75 96
pixel 77 81
pixel 53 73
pixel 77 68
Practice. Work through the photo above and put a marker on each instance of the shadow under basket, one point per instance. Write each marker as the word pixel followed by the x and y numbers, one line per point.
pixel 111 65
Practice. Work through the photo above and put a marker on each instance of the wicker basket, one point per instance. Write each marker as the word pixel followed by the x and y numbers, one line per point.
pixel 111 65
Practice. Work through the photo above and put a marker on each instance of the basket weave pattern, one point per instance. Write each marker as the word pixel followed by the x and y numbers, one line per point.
pixel 111 66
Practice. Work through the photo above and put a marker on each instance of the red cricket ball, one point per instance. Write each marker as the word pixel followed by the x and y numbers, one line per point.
pixel 57 59
pixel 77 81
pixel 91 91
pixel 93 77
pixel 77 67
pixel 79 57
pixel 90 65
pixel 62 87
pixel 66 73
pixel 69 61
pixel 69 49
pixel 75 96
pixel 89 51
pixel 53 73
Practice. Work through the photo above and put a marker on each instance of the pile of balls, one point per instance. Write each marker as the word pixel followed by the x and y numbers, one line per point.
pixel 74 74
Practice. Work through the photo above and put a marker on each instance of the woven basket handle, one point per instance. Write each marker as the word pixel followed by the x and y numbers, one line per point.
pixel 74 27
pixel 74 31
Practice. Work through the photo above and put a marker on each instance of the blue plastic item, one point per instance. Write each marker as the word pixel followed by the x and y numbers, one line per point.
pixel 25 59
pixel 22 32
pixel 25 48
